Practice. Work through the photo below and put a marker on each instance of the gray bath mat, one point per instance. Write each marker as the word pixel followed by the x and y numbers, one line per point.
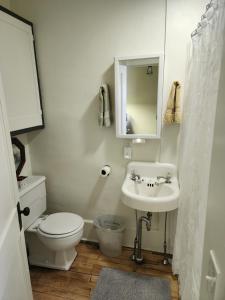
pixel 118 285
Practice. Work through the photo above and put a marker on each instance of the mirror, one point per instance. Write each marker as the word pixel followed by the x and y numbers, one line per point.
pixel 139 84
pixel 19 156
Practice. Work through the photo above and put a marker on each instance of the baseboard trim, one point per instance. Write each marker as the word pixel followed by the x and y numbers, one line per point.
pixel 90 242
pixel 96 244
pixel 151 240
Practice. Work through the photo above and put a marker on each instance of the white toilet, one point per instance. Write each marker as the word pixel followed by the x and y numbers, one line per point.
pixel 50 239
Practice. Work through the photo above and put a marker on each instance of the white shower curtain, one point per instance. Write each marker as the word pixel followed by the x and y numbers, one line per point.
pixel 195 148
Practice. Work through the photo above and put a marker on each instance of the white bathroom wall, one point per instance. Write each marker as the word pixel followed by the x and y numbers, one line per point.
pixel 182 19
pixel 76 43
pixel 5 3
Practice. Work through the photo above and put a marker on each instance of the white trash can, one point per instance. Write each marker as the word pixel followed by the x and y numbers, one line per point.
pixel 110 231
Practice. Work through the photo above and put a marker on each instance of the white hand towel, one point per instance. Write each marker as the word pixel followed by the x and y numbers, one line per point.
pixel 173 111
pixel 104 117
pixel 101 109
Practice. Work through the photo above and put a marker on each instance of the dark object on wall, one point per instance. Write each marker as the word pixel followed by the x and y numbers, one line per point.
pixel 19 157
pixel 24 130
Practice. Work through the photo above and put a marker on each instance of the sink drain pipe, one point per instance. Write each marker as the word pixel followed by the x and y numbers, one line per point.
pixel 137 253
pixel 165 258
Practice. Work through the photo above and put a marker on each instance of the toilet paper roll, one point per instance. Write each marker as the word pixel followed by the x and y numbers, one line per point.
pixel 105 171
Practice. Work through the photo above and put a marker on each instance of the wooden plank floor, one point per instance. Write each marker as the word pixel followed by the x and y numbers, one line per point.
pixel 78 282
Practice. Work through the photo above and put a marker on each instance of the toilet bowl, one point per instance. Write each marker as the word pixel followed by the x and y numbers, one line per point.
pixel 51 239
pixel 60 231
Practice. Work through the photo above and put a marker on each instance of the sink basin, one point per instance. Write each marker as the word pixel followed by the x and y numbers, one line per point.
pixel 149 193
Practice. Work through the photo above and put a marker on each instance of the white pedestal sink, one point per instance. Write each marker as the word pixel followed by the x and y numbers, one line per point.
pixel 144 190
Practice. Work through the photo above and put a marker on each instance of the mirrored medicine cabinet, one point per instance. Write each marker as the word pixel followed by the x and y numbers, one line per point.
pixel 138 96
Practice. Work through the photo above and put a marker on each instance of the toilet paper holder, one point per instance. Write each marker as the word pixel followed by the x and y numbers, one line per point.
pixel 105 171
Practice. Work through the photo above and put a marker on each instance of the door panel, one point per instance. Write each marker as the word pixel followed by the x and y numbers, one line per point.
pixel 14 273
pixel 14 280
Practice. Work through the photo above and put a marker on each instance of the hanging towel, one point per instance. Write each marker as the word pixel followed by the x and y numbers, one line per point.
pixel 173 111
pixel 104 118
pixel 178 104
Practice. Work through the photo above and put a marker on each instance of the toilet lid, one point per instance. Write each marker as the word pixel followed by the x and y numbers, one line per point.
pixel 61 223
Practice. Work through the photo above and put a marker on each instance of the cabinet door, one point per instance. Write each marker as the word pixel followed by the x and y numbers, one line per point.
pixel 19 73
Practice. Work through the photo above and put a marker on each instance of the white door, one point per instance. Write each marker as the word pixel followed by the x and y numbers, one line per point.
pixel 14 273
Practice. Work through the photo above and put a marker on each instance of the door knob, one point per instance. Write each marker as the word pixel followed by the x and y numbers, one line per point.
pixel 25 212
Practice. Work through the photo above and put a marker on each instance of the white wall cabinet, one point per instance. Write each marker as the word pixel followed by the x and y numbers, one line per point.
pixel 19 73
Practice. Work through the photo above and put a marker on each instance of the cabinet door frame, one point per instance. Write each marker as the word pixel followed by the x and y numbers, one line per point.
pixel 16 132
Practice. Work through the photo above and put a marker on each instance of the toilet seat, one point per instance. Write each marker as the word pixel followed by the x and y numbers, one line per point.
pixel 60 225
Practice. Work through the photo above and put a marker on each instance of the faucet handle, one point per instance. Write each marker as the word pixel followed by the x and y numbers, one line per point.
pixel 132 174
pixel 135 177
pixel 168 177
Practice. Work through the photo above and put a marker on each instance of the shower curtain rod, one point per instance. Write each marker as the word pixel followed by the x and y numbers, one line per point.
pixel 208 6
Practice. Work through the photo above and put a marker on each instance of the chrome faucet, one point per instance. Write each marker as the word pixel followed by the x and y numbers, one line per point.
pixel 167 179
pixel 135 177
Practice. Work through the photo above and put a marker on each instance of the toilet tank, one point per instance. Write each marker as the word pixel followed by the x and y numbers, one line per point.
pixel 32 193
